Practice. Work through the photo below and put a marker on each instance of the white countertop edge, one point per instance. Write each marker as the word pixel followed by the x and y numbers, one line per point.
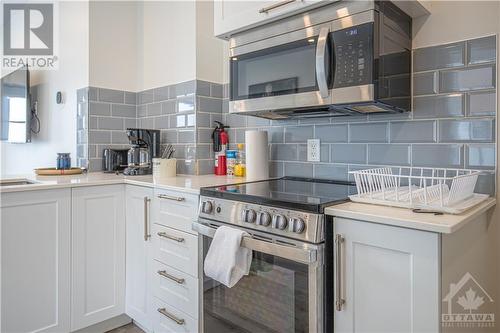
pixel 402 217
pixel 184 183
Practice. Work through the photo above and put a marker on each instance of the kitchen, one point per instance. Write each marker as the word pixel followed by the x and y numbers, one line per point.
pixel 186 244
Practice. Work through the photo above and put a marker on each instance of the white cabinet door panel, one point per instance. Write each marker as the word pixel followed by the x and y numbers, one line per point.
pixel 35 261
pixel 138 255
pixel 175 209
pixel 176 288
pixel 236 15
pixel 172 320
pixel 176 249
pixel 389 278
pixel 98 254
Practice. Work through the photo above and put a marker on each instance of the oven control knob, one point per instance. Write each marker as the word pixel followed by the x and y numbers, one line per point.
pixel 263 219
pixel 298 225
pixel 279 222
pixel 207 207
pixel 248 215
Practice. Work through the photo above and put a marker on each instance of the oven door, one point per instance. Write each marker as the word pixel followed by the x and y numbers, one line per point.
pixel 292 70
pixel 282 293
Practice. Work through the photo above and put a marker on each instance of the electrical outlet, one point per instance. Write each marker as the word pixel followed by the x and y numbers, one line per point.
pixel 313 150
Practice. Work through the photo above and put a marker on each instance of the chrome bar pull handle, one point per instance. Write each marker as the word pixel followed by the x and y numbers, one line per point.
pixel 339 301
pixel 146 218
pixel 171 277
pixel 165 235
pixel 170 316
pixel 170 197
pixel 274 6
pixel 320 62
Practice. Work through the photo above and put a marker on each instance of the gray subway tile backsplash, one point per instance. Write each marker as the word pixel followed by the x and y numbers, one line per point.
pixel 480 156
pixel 438 57
pixel 481 50
pixel 413 131
pixel 481 103
pixel 452 123
pixel 202 88
pixel 298 169
pixel 111 123
pixel 437 155
pixel 284 152
pixel 160 94
pixel 123 110
pixel 209 104
pixel 348 153
pixel 99 137
pixel 389 154
pixel 442 106
pixel 465 79
pixel 425 83
pixel 99 109
pixel 331 171
pixel 130 98
pixel 111 95
pixel 331 133
pixel 298 133
pixel 470 130
pixel 368 132
pixel 154 109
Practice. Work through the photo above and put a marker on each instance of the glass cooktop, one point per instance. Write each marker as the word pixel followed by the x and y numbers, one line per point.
pixel 306 194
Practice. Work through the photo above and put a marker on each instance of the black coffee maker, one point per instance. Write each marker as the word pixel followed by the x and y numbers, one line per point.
pixel 144 146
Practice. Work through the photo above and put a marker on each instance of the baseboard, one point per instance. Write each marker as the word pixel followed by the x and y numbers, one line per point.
pixel 107 325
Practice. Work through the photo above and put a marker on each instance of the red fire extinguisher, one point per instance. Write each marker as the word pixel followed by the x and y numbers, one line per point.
pixel 220 140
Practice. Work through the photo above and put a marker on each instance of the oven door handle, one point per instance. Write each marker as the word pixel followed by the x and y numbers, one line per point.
pixel 305 256
pixel 320 62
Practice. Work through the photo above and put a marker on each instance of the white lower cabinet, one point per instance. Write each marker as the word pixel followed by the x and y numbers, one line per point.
pixel 168 319
pixel 98 254
pixel 387 278
pixel 138 255
pixel 35 261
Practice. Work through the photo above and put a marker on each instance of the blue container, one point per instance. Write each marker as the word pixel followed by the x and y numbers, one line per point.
pixel 63 161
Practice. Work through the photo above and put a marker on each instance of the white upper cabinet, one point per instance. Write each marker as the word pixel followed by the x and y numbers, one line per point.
pixel 98 254
pixel 35 261
pixel 138 262
pixel 387 278
pixel 231 16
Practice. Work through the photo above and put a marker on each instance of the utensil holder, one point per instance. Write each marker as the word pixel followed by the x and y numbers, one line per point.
pixel 164 168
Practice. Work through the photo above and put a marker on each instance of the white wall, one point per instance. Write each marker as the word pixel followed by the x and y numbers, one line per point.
pixel 452 21
pixel 58 122
pixel 113 30
pixel 168 49
pixel 209 62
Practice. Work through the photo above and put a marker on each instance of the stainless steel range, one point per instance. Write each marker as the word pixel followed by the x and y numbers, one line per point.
pixel 285 222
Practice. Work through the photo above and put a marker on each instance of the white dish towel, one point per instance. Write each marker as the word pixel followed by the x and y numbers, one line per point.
pixel 226 261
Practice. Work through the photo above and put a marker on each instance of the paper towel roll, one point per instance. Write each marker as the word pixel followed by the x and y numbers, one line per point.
pixel 257 155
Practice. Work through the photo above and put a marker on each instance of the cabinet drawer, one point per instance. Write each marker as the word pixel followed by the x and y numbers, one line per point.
pixel 176 248
pixel 171 319
pixel 175 209
pixel 176 288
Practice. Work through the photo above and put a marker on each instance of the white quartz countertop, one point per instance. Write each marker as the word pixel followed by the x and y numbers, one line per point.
pixel 186 183
pixel 403 217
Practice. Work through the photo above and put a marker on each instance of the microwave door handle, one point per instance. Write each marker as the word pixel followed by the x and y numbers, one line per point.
pixel 320 62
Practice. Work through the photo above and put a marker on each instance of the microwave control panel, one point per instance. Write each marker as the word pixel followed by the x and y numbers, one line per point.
pixel 353 50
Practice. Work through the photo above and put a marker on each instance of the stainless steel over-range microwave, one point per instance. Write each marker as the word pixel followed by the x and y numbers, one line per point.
pixel 339 59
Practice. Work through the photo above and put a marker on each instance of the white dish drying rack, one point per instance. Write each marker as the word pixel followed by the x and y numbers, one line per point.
pixel 435 189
